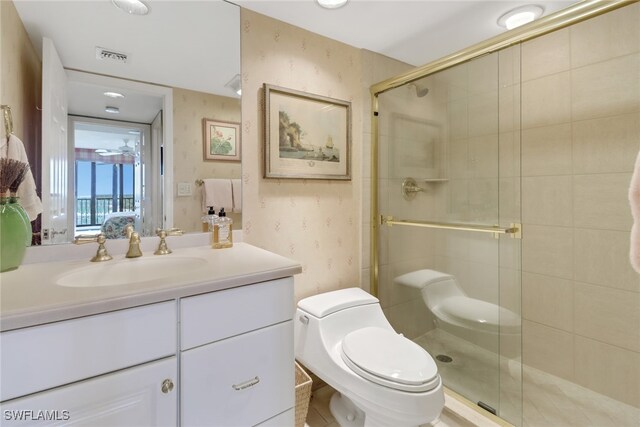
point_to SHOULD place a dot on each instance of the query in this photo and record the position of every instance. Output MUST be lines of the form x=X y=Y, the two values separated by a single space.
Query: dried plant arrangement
x=12 y=173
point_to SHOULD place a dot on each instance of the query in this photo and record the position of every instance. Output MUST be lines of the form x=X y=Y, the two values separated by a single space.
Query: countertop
x=29 y=296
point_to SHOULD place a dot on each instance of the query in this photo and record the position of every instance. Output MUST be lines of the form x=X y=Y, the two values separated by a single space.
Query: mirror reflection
x=123 y=104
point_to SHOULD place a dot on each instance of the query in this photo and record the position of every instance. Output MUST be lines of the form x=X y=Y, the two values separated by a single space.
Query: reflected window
x=101 y=190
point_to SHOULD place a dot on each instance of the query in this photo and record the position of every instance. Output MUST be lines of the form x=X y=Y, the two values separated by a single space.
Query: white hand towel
x=28 y=198
x=634 y=201
x=217 y=193
x=236 y=186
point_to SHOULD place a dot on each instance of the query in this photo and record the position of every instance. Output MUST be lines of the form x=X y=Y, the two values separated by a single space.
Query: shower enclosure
x=449 y=180
x=486 y=247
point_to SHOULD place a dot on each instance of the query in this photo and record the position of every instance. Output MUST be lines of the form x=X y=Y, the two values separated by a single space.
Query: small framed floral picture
x=221 y=140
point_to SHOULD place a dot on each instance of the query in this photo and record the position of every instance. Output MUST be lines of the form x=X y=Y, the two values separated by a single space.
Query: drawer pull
x=246 y=384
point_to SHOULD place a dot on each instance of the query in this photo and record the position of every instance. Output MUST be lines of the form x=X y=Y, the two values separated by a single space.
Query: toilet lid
x=389 y=359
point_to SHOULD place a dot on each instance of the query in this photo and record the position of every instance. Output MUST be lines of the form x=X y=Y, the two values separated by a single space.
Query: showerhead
x=420 y=92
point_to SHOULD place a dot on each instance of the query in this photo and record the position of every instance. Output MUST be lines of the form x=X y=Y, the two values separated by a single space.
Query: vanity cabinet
x=101 y=370
x=50 y=355
x=140 y=396
x=225 y=358
x=237 y=356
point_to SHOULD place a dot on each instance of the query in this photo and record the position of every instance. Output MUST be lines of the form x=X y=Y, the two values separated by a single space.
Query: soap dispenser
x=222 y=231
x=208 y=220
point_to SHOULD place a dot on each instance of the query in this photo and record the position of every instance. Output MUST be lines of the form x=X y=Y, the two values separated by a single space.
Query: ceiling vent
x=111 y=55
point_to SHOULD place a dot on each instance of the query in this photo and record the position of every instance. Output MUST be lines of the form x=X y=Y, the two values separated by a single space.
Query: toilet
x=381 y=378
x=477 y=321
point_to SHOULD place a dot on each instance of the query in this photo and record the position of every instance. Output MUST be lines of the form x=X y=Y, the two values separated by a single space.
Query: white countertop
x=30 y=296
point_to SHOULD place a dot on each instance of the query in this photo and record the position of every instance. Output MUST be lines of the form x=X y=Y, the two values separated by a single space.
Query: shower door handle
x=514 y=230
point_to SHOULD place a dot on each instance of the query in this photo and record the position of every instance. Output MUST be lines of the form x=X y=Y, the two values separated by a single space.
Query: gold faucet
x=134 y=242
x=163 y=249
x=102 y=254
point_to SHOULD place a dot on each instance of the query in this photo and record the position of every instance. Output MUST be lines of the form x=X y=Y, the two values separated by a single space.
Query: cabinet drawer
x=240 y=381
x=131 y=397
x=47 y=356
x=285 y=419
x=218 y=315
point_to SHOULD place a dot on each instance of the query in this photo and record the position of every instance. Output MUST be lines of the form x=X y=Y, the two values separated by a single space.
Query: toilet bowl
x=381 y=377
x=478 y=321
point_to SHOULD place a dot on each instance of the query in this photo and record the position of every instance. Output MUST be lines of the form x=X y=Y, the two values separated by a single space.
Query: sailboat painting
x=306 y=136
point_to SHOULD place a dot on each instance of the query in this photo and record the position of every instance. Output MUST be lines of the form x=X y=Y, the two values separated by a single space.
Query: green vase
x=14 y=200
x=14 y=232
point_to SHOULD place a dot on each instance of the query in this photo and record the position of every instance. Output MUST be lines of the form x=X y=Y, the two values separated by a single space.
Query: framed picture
x=306 y=136
x=221 y=140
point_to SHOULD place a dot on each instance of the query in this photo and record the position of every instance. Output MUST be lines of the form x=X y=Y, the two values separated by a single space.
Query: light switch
x=184 y=189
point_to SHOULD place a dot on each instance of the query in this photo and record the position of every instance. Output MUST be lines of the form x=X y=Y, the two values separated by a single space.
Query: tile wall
x=580 y=138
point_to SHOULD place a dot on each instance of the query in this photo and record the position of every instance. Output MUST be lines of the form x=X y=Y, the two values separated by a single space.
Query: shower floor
x=549 y=400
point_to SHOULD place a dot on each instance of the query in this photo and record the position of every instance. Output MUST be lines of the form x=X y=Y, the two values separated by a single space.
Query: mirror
x=179 y=64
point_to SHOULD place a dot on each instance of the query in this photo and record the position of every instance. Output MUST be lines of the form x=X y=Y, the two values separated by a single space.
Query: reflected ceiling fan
x=123 y=150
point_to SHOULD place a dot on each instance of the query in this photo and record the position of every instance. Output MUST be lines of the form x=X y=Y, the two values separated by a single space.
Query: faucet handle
x=101 y=254
x=170 y=231
x=163 y=249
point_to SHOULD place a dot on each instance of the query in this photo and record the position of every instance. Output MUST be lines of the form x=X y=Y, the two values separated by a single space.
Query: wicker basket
x=303 y=395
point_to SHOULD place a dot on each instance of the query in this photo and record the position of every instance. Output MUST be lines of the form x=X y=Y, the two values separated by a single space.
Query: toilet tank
x=435 y=286
x=322 y=305
x=322 y=321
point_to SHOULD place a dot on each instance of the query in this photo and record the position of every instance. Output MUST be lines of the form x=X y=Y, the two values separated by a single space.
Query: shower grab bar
x=514 y=230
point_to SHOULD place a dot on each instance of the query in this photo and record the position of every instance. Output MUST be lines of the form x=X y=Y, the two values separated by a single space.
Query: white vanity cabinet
x=237 y=365
x=107 y=369
x=136 y=397
x=210 y=347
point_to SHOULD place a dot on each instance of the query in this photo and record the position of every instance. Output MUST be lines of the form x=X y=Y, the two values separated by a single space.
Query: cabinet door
x=131 y=397
x=239 y=381
x=47 y=356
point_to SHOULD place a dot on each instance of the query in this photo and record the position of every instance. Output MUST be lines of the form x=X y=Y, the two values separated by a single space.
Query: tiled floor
x=548 y=400
x=320 y=416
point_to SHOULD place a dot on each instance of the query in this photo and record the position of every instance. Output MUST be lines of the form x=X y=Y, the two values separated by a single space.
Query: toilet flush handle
x=303 y=319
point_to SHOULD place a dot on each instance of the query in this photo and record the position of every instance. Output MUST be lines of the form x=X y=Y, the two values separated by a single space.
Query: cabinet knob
x=167 y=386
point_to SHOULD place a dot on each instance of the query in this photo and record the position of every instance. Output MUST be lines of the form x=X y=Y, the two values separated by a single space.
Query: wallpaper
x=189 y=108
x=316 y=222
x=20 y=82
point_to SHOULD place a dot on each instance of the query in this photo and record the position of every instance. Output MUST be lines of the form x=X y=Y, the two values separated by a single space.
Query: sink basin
x=129 y=271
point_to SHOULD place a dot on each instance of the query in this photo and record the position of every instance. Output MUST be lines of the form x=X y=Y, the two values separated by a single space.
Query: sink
x=129 y=271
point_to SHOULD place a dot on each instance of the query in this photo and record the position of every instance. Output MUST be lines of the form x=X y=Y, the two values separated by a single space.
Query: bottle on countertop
x=222 y=231
x=208 y=220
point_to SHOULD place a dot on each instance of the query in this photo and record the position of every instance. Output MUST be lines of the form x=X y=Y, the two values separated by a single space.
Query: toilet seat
x=389 y=359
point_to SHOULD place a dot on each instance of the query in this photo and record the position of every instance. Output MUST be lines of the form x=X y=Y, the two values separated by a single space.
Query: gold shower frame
x=571 y=15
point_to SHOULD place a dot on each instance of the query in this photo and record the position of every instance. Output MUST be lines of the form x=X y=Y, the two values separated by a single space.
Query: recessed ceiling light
x=113 y=95
x=112 y=110
x=332 y=4
x=520 y=16
x=132 y=7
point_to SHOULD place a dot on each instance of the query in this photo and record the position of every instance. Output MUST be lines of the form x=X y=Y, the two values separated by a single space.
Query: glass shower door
x=448 y=191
